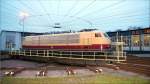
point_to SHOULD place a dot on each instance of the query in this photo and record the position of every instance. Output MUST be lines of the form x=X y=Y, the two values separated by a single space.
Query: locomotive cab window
x=106 y=35
x=97 y=35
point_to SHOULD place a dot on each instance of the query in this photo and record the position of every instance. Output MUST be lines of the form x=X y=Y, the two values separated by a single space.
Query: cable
x=73 y=6
x=85 y=8
x=126 y=13
x=49 y=17
x=111 y=16
x=109 y=6
x=25 y=5
x=58 y=7
x=104 y=8
x=11 y=7
x=123 y=20
x=85 y=20
x=120 y=16
x=126 y=16
x=8 y=13
x=90 y=23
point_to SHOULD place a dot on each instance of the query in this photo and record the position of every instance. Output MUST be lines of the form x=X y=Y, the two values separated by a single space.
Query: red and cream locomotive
x=69 y=41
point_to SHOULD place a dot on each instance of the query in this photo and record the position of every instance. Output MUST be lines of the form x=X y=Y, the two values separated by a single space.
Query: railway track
x=14 y=71
x=138 y=67
x=111 y=66
x=70 y=71
x=131 y=67
x=138 y=60
x=42 y=72
x=43 y=69
x=135 y=64
x=94 y=69
x=141 y=69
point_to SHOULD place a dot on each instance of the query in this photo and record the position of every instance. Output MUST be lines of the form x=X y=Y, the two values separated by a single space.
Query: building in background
x=135 y=41
x=12 y=40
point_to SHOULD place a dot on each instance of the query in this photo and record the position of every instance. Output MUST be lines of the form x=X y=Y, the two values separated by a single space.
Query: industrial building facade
x=10 y=40
x=137 y=40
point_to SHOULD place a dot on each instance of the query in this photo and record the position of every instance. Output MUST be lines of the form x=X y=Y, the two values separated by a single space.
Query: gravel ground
x=19 y=63
x=81 y=72
x=56 y=70
x=27 y=73
x=57 y=73
x=2 y=72
x=121 y=73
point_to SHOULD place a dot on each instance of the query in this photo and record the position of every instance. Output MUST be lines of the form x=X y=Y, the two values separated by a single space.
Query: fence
x=85 y=55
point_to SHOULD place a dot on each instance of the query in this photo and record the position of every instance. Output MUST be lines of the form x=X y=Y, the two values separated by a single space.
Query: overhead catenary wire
x=120 y=17
x=104 y=8
x=58 y=8
x=48 y=14
x=8 y=9
x=28 y=8
x=10 y=14
x=99 y=25
x=71 y=9
x=118 y=26
x=81 y=19
x=121 y=20
x=124 y=20
x=136 y=12
x=115 y=15
x=120 y=14
x=85 y=8
x=100 y=18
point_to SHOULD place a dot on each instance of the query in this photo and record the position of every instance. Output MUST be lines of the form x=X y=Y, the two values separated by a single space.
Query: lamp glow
x=23 y=15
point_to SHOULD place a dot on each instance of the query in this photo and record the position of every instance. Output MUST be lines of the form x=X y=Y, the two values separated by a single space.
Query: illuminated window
x=135 y=40
x=146 y=31
x=147 y=40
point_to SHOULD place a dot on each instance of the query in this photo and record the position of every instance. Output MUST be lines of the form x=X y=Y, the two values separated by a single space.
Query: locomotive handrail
x=72 y=55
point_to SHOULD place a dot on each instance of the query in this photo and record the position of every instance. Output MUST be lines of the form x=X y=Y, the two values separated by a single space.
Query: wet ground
x=18 y=63
x=57 y=70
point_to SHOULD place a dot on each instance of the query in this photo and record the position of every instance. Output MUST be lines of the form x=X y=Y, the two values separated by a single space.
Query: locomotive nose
x=108 y=41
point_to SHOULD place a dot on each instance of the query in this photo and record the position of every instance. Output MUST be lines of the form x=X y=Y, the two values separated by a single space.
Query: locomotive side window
x=97 y=35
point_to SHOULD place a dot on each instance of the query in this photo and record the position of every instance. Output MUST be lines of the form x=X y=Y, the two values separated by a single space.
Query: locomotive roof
x=67 y=33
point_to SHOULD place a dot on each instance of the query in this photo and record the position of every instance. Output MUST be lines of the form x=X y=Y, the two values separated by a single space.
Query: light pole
x=23 y=16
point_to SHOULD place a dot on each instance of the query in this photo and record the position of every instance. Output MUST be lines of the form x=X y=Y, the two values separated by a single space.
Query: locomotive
x=80 y=48
x=85 y=41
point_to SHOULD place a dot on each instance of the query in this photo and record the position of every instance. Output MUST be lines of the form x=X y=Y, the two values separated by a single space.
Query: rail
x=85 y=55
